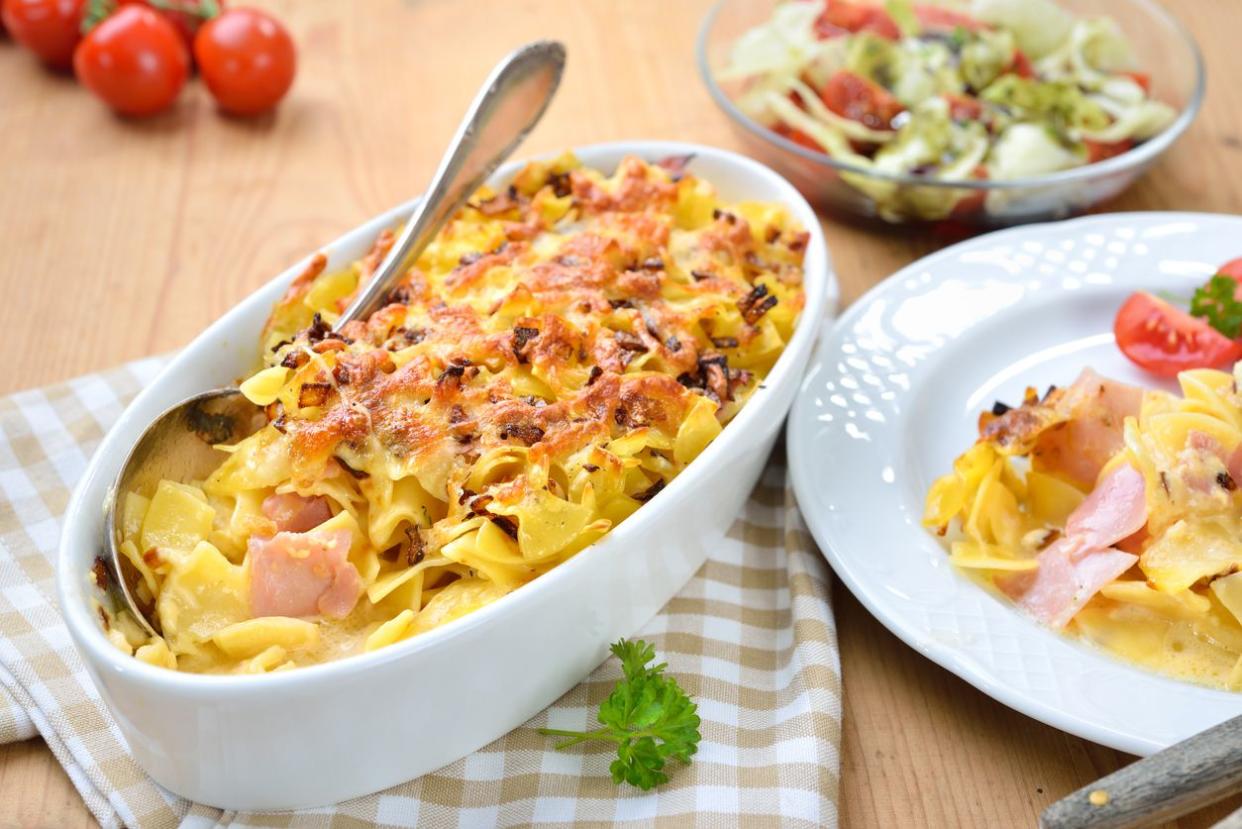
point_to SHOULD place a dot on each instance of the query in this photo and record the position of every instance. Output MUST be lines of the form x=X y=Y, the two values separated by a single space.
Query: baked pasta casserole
x=561 y=351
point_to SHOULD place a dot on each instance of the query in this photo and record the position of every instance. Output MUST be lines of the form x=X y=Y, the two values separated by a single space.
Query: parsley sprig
x=1215 y=303
x=648 y=716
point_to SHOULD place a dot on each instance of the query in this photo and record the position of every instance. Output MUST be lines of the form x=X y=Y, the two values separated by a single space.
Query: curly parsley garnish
x=1215 y=303
x=648 y=716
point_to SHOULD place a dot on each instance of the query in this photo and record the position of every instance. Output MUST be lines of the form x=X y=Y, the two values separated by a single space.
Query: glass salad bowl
x=1159 y=44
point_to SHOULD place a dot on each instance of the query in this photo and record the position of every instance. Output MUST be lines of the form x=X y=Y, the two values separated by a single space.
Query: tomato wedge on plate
x=1165 y=340
x=1232 y=269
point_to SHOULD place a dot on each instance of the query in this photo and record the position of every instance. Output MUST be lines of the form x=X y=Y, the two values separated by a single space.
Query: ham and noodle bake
x=556 y=356
x=1113 y=513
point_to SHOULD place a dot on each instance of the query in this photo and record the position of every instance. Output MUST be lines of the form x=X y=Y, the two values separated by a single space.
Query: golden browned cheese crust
x=598 y=302
x=559 y=353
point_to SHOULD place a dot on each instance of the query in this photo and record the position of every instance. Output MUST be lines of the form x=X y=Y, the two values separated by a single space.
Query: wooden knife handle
x=1232 y=821
x=1194 y=773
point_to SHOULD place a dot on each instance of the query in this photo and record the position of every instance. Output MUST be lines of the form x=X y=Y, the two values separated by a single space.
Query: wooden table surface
x=121 y=239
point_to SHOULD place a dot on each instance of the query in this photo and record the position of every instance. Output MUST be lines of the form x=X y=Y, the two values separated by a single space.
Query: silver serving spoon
x=178 y=445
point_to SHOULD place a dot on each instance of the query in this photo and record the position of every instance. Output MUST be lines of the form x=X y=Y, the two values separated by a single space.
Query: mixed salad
x=980 y=89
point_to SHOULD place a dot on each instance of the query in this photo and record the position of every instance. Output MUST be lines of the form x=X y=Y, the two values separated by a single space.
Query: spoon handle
x=505 y=110
x=1193 y=773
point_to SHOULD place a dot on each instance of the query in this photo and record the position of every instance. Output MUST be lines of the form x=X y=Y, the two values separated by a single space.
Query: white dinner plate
x=892 y=397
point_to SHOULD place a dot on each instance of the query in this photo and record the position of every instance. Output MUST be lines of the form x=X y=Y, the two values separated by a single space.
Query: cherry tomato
x=247 y=60
x=841 y=17
x=1100 y=150
x=859 y=99
x=939 y=18
x=187 y=19
x=134 y=60
x=49 y=28
x=1165 y=340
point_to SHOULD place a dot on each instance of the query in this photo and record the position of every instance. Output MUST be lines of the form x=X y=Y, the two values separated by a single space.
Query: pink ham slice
x=1074 y=568
x=296 y=513
x=1095 y=409
x=1065 y=582
x=1115 y=509
x=303 y=574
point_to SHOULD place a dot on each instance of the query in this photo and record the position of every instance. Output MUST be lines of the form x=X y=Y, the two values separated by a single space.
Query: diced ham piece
x=1072 y=432
x=1077 y=565
x=1203 y=442
x=1115 y=509
x=296 y=513
x=303 y=574
x=1063 y=584
x=1095 y=409
x=1198 y=471
x=1234 y=464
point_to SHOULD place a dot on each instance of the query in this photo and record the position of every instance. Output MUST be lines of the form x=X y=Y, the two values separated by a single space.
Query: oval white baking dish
x=329 y=732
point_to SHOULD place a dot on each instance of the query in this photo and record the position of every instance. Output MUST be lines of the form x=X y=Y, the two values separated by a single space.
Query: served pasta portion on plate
x=561 y=351
x=1113 y=513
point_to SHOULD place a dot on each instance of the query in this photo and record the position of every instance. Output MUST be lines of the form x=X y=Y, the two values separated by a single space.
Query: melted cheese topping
x=555 y=357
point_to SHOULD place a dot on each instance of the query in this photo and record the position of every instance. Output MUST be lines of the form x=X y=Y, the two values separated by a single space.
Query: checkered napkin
x=751 y=638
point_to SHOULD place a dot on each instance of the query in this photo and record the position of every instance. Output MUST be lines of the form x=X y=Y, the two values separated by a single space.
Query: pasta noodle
x=1143 y=557
x=560 y=352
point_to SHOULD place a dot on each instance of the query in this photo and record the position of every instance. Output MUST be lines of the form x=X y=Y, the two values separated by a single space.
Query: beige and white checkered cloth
x=751 y=638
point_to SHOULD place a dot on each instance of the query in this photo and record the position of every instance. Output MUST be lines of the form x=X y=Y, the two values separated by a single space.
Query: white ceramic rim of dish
x=821 y=296
x=879 y=602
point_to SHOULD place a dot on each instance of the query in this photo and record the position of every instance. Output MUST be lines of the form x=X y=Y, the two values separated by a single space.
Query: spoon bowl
x=179 y=445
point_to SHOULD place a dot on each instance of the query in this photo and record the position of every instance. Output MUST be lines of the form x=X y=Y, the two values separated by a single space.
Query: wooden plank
x=924 y=748
x=121 y=239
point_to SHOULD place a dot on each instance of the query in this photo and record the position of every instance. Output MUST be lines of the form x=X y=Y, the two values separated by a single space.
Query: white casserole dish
x=329 y=732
